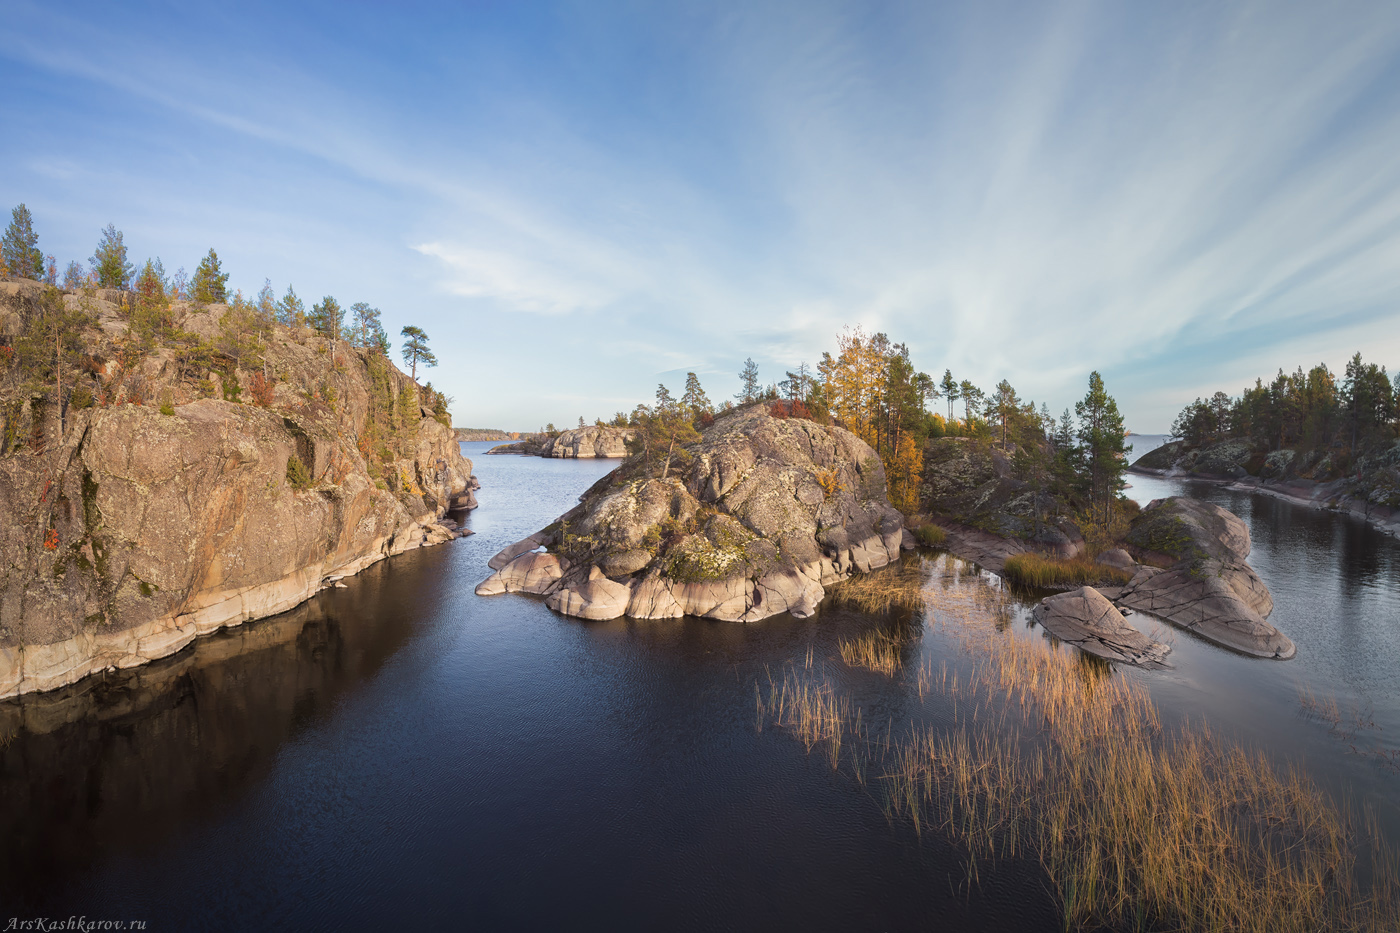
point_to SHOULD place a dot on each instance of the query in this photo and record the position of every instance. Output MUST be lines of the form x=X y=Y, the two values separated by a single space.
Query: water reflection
x=124 y=760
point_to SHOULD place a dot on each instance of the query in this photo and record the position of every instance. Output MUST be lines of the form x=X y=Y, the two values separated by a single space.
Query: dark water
x=403 y=754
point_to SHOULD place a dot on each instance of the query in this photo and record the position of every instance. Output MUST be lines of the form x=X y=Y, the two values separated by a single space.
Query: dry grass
x=898 y=586
x=876 y=651
x=1032 y=569
x=1057 y=758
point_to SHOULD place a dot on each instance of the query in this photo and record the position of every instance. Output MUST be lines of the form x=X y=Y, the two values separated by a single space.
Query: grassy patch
x=1031 y=569
x=931 y=535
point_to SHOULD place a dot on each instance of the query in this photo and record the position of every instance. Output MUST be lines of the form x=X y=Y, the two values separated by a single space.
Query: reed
x=1038 y=570
x=896 y=587
x=1053 y=757
x=877 y=651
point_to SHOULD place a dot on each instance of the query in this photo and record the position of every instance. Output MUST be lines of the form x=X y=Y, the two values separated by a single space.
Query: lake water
x=401 y=753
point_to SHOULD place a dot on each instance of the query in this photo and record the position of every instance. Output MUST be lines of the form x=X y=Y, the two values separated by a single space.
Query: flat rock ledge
x=1086 y=619
x=767 y=514
x=1207 y=587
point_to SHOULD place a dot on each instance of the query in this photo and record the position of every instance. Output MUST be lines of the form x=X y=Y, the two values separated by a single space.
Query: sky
x=578 y=201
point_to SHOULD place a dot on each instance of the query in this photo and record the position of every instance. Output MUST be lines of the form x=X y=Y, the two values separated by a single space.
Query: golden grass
x=898 y=586
x=1054 y=757
x=876 y=651
x=1031 y=569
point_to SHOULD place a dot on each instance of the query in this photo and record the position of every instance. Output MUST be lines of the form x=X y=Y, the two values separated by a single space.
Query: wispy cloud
x=1176 y=197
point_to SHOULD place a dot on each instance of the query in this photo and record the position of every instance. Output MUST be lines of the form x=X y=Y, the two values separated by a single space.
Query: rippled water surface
x=402 y=753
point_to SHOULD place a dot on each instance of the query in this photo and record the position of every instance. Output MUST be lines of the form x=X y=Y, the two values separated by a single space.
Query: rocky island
x=586 y=443
x=766 y=514
x=180 y=467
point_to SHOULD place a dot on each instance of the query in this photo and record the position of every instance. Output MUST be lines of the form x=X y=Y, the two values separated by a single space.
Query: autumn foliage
x=261 y=389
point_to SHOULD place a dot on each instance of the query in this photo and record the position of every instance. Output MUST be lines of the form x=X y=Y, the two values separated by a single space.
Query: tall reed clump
x=1052 y=756
x=877 y=651
x=898 y=586
x=1032 y=569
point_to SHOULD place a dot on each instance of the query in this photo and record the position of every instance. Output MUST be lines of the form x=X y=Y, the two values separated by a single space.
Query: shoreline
x=1335 y=501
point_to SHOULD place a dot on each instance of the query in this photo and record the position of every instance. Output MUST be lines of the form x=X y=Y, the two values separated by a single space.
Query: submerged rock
x=1086 y=619
x=767 y=513
x=1202 y=581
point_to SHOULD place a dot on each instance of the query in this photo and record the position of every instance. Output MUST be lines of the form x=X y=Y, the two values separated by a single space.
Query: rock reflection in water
x=117 y=762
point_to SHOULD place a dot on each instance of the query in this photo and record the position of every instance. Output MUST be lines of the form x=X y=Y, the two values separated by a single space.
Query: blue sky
x=577 y=201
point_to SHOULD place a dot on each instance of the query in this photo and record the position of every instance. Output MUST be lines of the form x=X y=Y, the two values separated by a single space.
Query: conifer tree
x=1104 y=447
x=951 y=391
x=109 y=263
x=20 y=246
x=748 y=382
x=694 y=400
x=210 y=282
x=290 y=311
x=366 y=330
x=415 y=349
x=327 y=318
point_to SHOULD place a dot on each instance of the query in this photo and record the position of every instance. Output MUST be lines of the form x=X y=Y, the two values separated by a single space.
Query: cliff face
x=127 y=529
x=768 y=512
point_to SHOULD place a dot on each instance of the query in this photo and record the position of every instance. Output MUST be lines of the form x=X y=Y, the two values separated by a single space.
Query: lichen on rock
x=769 y=512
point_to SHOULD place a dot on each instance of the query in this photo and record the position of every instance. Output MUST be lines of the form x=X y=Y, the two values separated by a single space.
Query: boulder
x=532 y=572
x=1201 y=580
x=1116 y=558
x=1086 y=619
x=756 y=520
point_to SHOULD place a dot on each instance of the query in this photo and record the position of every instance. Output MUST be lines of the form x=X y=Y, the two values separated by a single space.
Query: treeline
x=58 y=358
x=153 y=292
x=1310 y=410
x=871 y=387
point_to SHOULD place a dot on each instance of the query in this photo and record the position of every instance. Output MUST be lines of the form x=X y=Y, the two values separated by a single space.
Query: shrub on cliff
x=298 y=476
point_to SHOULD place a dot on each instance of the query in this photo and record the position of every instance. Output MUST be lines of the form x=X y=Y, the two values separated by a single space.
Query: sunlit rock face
x=128 y=529
x=764 y=513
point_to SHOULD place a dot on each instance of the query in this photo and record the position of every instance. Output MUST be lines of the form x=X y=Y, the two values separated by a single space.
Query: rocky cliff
x=190 y=476
x=767 y=513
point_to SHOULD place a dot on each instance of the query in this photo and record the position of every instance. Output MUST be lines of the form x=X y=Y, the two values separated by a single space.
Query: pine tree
x=748 y=382
x=20 y=246
x=290 y=311
x=1004 y=403
x=1104 y=448
x=51 y=271
x=415 y=349
x=694 y=400
x=210 y=282
x=366 y=331
x=327 y=318
x=951 y=391
x=109 y=263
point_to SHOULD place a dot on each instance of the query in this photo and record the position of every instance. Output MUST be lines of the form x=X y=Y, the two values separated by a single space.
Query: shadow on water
x=125 y=761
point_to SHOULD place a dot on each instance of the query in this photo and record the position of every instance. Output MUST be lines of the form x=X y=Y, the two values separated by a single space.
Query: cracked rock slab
x=1086 y=619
